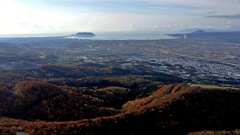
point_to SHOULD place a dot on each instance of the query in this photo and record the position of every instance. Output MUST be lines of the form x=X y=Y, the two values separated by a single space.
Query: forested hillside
x=87 y=100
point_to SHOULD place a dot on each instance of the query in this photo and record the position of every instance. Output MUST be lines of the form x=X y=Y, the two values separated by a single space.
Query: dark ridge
x=52 y=71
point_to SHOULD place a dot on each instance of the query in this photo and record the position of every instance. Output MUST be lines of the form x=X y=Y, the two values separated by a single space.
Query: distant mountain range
x=216 y=36
x=84 y=34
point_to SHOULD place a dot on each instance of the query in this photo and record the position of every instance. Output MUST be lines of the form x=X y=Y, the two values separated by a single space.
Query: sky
x=163 y=16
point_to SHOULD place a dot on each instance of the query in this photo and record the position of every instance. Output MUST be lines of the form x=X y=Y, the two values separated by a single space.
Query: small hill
x=196 y=29
x=198 y=32
x=84 y=34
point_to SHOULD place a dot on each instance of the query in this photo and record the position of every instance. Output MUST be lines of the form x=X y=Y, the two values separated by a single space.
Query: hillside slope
x=173 y=109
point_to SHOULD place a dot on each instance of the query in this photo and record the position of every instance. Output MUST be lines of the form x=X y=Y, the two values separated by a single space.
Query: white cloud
x=50 y=27
x=22 y=16
x=24 y=24
x=37 y=26
x=131 y=26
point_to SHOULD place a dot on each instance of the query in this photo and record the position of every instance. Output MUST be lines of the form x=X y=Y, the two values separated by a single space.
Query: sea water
x=125 y=36
x=101 y=36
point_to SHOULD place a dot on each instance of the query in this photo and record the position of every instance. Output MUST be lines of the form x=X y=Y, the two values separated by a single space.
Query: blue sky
x=164 y=16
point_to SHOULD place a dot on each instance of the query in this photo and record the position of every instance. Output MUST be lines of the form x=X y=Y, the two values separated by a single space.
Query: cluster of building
x=186 y=67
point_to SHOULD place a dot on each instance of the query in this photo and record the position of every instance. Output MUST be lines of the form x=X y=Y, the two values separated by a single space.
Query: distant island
x=84 y=34
x=214 y=36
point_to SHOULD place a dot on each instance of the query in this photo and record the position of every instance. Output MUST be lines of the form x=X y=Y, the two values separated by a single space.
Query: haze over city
x=165 y=16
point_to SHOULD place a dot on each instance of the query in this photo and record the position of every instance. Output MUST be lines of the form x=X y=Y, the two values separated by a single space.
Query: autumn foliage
x=52 y=101
x=173 y=109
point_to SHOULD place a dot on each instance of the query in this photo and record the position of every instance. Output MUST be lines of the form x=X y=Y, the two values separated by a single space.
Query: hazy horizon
x=99 y=35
